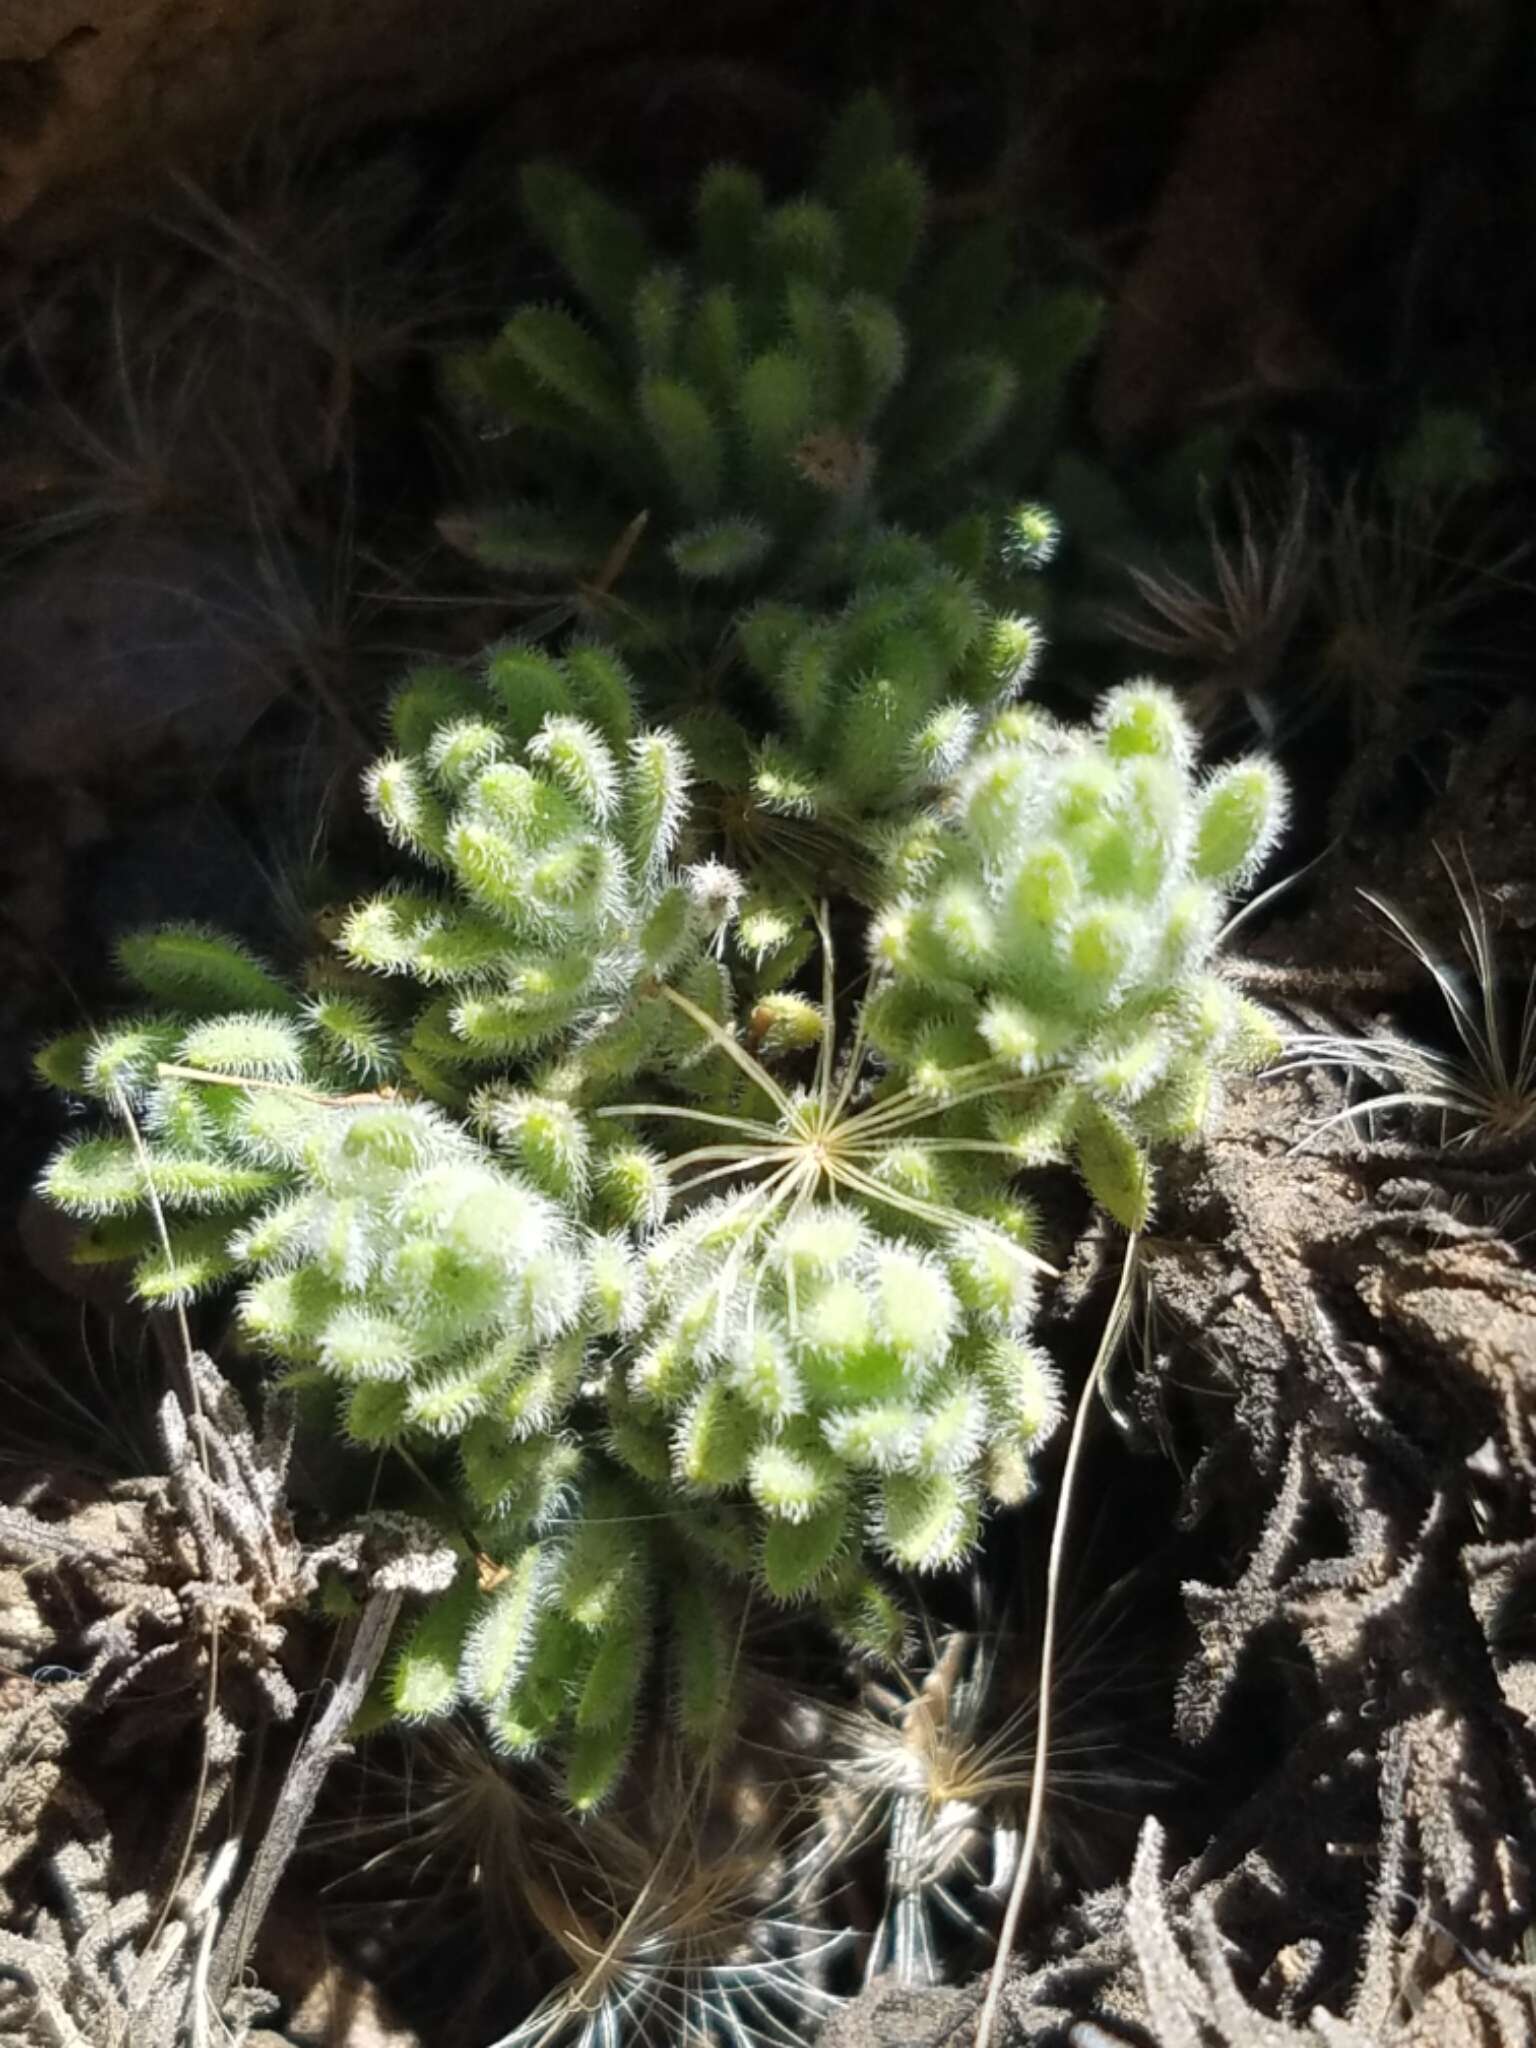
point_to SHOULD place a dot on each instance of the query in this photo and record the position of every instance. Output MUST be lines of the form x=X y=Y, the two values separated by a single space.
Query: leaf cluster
x=761 y=467
x=797 y=373
x=1058 y=922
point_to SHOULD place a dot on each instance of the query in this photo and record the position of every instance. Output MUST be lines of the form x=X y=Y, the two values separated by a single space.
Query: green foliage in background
x=770 y=467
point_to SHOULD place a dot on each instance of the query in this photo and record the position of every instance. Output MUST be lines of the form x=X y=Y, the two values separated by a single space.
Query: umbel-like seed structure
x=573 y=1187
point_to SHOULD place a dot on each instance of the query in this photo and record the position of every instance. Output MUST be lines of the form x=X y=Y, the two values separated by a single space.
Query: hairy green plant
x=720 y=422
x=689 y=1298
x=672 y=1277
x=871 y=706
x=755 y=471
x=1046 y=950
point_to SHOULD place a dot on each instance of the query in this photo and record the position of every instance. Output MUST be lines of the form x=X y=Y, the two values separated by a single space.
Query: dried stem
x=1114 y=1327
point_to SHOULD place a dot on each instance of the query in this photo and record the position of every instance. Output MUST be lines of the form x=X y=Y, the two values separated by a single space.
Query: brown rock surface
x=1301 y=133
x=95 y=93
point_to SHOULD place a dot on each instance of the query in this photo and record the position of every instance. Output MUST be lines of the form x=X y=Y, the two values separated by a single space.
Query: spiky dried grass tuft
x=684 y=1910
x=1483 y=1094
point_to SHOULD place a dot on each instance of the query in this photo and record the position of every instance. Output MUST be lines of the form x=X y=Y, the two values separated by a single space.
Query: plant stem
x=169 y=1072
x=301 y=1788
x=1114 y=1327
